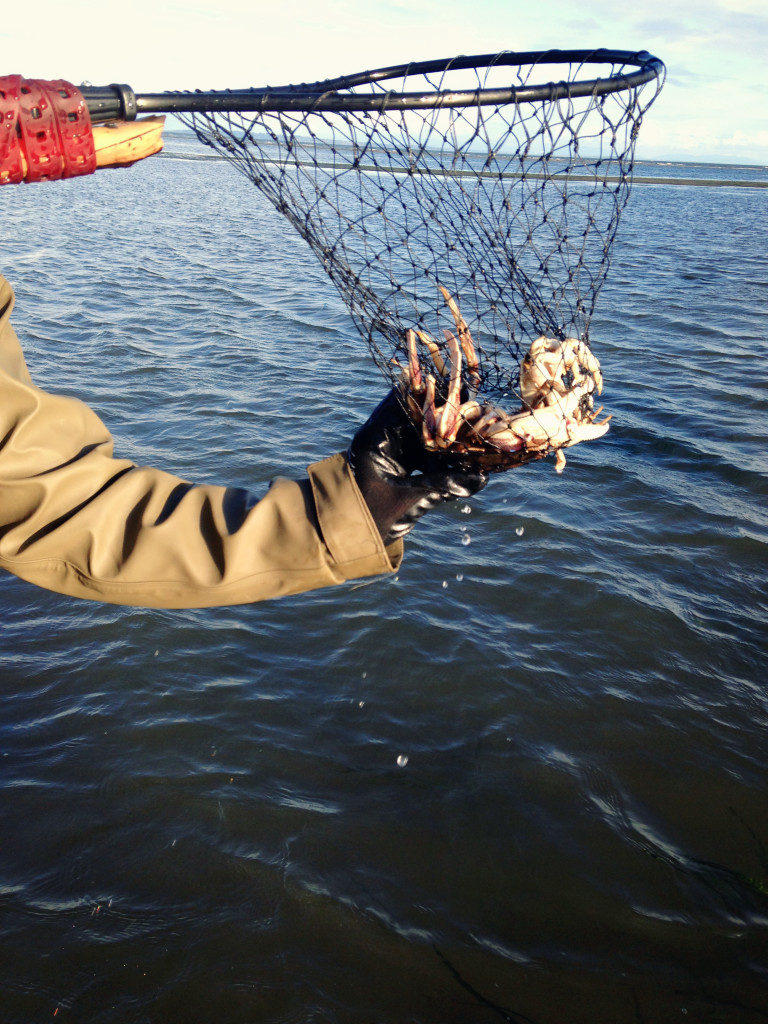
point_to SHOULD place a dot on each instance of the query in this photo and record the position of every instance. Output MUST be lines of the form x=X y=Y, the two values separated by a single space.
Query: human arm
x=77 y=520
x=46 y=133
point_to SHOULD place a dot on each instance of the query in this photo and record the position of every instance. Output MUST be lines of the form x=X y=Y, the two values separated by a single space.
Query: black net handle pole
x=120 y=102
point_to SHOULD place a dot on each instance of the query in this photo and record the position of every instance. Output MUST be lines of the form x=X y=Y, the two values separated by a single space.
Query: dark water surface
x=208 y=816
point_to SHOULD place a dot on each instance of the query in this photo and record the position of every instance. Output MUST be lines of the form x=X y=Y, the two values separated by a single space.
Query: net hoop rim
x=333 y=95
x=649 y=67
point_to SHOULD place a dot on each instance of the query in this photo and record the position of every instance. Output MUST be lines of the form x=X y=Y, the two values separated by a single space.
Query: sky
x=714 y=106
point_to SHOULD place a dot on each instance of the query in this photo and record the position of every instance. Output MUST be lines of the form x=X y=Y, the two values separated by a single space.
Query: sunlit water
x=525 y=780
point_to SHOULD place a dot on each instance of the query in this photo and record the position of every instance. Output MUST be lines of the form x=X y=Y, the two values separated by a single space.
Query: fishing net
x=466 y=216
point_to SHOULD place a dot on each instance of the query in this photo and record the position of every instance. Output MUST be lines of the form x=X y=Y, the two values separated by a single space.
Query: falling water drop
x=466 y=539
x=402 y=761
x=520 y=530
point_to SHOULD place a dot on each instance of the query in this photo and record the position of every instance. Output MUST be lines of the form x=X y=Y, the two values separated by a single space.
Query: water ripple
x=524 y=777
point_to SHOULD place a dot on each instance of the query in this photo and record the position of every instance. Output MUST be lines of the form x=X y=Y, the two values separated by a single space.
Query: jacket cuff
x=345 y=521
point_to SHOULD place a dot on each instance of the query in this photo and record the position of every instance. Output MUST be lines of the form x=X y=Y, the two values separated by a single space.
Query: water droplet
x=520 y=530
x=445 y=584
x=466 y=539
x=361 y=704
x=466 y=509
x=402 y=761
x=459 y=576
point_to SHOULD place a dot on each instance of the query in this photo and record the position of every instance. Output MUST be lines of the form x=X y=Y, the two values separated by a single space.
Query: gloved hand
x=399 y=479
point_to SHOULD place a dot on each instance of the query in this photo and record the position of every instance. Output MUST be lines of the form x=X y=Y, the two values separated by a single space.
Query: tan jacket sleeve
x=77 y=520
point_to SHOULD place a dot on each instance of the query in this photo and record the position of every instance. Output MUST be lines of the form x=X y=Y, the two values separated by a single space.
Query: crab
x=557 y=382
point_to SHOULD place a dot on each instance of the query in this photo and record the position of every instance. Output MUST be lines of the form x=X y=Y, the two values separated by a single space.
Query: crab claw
x=586 y=431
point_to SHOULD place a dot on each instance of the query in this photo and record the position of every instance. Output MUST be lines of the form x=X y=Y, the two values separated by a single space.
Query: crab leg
x=489 y=417
x=588 y=361
x=467 y=344
x=448 y=416
x=579 y=352
x=429 y=413
x=507 y=440
x=414 y=369
x=534 y=381
x=470 y=412
x=434 y=351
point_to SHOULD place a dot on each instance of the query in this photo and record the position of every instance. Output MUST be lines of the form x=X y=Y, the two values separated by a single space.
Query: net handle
x=120 y=102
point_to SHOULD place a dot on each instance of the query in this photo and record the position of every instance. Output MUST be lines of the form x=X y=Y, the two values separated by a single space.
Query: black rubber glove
x=399 y=479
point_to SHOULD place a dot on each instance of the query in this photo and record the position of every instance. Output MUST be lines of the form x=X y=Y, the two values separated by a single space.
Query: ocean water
x=524 y=780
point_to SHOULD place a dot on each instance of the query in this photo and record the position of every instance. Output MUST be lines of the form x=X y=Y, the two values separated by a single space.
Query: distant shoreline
x=664 y=162
x=707 y=182
x=187 y=134
x=638 y=179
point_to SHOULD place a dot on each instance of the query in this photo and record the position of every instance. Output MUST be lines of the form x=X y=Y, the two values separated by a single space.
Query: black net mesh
x=512 y=208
